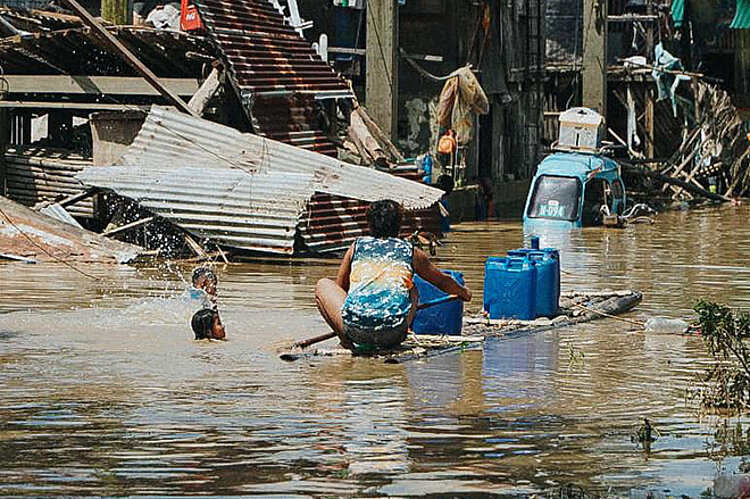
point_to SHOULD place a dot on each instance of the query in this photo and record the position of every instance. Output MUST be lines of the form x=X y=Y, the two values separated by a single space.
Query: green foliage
x=726 y=384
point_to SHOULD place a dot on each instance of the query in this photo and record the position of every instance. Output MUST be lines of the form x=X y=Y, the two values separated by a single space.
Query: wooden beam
x=96 y=85
x=77 y=197
x=382 y=64
x=594 y=72
x=73 y=106
x=200 y=99
x=131 y=225
x=128 y=56
x=649 y=94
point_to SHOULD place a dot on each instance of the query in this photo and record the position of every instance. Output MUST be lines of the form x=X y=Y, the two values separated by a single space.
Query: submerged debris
x=28 y=235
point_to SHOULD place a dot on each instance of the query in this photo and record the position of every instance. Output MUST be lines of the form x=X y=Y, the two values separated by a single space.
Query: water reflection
x=105 y=393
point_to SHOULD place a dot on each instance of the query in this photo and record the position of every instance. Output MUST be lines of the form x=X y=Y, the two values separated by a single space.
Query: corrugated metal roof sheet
x=246 y=191
x=253 y=212
x=276 y=68
x=36 y=175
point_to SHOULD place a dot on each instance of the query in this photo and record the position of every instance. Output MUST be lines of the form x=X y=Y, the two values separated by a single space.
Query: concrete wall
x=112 y=133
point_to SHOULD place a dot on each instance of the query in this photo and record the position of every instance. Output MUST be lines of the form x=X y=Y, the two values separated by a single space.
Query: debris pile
x=244 y=191
x=31 y=237
x=713 y=159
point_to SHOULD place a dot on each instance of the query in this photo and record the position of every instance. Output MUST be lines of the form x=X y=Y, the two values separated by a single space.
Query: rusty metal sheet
x=36 y=175
x=26 y=233
x=276 y=68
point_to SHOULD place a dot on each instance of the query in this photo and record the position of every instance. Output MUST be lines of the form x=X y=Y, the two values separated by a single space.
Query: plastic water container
x=446 y=318
x=547 y=262
x=510 y=288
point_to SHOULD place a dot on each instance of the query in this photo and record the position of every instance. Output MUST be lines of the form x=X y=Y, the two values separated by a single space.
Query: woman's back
x=379 y=283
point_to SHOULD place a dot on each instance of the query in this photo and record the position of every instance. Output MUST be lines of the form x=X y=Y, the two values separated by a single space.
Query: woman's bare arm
x=427 y=271
x=346 y=267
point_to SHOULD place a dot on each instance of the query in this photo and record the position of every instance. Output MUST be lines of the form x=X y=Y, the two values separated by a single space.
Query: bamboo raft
x=575 y=308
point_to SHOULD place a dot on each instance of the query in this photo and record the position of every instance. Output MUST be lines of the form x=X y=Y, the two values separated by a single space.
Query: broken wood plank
x=194 y=246
x=382 y=138
x=77 y=197
x=700 y=191
x=132 y=225
x=207 y=90
x=128 y=56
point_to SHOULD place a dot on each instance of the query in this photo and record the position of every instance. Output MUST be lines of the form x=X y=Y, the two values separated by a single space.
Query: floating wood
x=598 y=305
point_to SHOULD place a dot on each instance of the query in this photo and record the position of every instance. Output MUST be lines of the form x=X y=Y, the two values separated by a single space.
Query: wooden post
x=595 y=55
x=649 y=97
x=117 y=11
x=4 y=141
x=382 y=64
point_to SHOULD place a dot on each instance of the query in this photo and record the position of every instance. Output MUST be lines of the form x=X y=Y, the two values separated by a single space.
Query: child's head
x=205 y=279
x=445 y=183
x=206 y=324
x=384 y=218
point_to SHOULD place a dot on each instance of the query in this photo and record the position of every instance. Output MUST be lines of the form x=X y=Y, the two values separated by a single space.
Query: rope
x=58 y=259
x=629 y=321
x=419 y=69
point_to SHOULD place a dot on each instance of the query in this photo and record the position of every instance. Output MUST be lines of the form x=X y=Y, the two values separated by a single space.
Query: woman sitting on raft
x=373 y=300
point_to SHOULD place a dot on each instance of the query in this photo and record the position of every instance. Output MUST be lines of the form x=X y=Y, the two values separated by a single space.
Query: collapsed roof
x=239 y=190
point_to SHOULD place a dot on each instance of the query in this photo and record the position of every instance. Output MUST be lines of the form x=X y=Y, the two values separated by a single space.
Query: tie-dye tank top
x=380 y=282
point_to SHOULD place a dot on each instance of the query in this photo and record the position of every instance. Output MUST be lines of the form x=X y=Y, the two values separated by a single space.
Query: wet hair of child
x=384 y=218
x=203 y=323
x=203 y=272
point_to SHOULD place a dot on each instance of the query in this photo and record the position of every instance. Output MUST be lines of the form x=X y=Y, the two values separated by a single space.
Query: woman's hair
x=384 y=218
x=203 y=323
x=204 y=272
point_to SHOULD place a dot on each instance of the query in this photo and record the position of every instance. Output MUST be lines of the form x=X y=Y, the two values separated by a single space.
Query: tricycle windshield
x=555 y=197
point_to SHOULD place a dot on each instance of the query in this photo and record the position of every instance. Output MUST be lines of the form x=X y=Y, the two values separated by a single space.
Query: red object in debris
x=189 y=18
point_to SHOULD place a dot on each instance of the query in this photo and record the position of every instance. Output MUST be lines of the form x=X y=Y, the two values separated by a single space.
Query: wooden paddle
x=327 y=336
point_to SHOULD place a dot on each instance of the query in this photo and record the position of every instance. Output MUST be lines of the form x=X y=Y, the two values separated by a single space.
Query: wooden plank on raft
x=128 y=56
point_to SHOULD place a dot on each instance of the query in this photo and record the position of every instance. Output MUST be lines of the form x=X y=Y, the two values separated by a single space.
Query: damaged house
x=399 y=58
x=71 y=101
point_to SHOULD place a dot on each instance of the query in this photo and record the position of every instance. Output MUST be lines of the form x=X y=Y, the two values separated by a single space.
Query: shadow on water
x=105 y=393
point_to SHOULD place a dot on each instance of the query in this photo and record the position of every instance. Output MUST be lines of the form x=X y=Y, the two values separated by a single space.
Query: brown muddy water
x=103 y=391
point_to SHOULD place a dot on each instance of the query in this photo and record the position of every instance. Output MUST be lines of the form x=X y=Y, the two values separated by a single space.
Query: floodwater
x=103 y=391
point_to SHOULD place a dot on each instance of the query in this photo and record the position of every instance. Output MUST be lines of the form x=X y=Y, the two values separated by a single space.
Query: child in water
x=204 y=286
x=207 y=325
x=206 y=322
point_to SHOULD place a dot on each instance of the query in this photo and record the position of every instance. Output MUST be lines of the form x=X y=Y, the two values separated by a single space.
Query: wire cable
x=54 y=257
